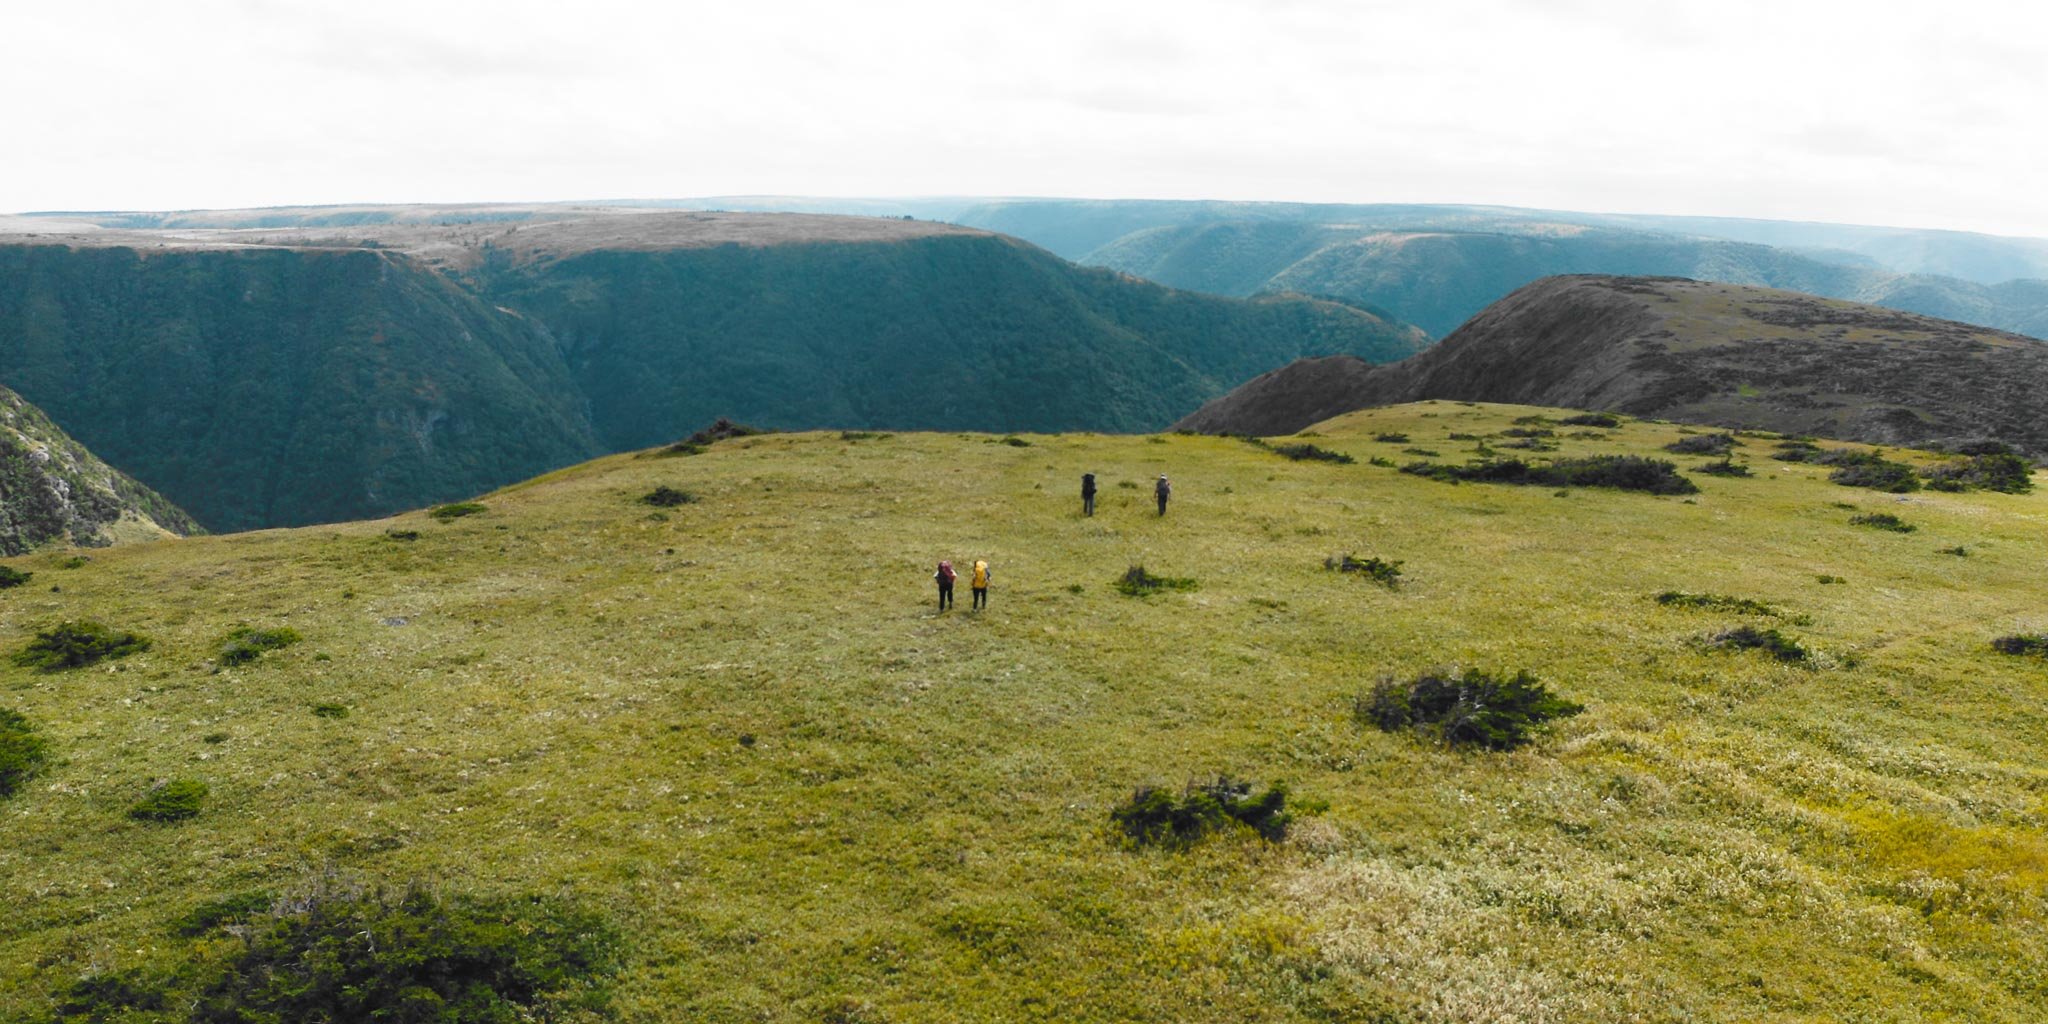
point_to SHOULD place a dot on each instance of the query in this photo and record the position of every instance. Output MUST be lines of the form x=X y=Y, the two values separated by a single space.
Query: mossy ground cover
x=743 y=734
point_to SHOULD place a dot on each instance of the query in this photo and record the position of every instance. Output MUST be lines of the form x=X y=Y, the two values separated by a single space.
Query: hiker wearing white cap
x=1162 y=490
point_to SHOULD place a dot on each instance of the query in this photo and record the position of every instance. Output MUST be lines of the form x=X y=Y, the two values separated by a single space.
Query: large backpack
x=981 y=574
x=946 y=572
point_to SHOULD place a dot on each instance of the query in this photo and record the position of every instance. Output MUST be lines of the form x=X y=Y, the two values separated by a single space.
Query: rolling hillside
x=733 y=736
x=343 y=364
x=1695 y=352
x=55 y=492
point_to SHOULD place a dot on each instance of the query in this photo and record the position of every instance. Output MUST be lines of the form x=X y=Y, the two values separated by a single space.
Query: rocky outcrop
x=53 y=491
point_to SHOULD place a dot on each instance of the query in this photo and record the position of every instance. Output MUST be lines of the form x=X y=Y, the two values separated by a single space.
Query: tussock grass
x=920 y=828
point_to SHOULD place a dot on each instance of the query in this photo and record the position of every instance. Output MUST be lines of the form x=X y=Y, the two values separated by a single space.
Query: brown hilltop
x=1670 y=348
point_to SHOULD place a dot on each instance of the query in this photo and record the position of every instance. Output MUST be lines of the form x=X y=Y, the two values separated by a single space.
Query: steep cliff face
x=267 y=387
x=1690 y=351
x=54 y=491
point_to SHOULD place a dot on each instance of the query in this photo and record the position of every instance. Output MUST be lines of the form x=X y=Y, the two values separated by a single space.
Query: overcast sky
x=1917 y=114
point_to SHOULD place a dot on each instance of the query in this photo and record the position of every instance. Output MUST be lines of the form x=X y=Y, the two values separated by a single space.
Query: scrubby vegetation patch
x=175 y=800
x=76 y=645
x=1465 y=708
x=1703 y=444
x=1715 y=603
x=1882 y=521
x=1156 y=816
x=1378 y=570
x=1871 y=470
x=667 y=497
x=1726 y=467
x=12 y=577
x=22 y=752
x=456 y=510
x=1136 y=582
x=247 y=643
x=1592 y=419
x=1989 y=466
x=1620 y=472
x=1769 y=641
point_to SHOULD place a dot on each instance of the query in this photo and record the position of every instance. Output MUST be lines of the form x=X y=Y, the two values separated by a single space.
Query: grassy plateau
x=737 y=728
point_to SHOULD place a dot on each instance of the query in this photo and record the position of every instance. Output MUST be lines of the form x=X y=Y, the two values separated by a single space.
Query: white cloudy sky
x=1883 y=112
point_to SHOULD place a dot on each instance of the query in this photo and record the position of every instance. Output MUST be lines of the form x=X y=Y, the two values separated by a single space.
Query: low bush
x=863 y=435
x=1391 y=438
x=1620 y=472
x=1136 y=582
x=1528 y=432
x=76 y=645
x=330 y=710
x=1715 y=603
x=404 y=535
x=1468 y=708
x=1871 y=470
x=667 y=497
x=1427 y=453
x=2003 y=471
x=1725 y=467
x=1750 y=638
x=1703 y=444
x=1826 y=580
x=1311 y=453
x=411 y=956
x=1530 y=444
x=1592 y=419
x=1016 y=442
x=456 y=510
x=12 y=577
x=22 y=752
x=1959 y=551
x=1155 y=816
x=176 y=800
x=1463 y=437
x=246 y=644
x=1797 y=451
x=1883 y=521
x=2035 y=644
x=1377 y=461
x=1377 y=570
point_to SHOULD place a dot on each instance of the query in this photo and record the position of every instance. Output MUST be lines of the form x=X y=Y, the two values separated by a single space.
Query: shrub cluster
x=1391 y=438
x=22 y=752
x=667 y=497
x=1591 y=419
x=404 y=535
x=12 y=577
x=1527 y=432
x=1797 y=450
x=1883 y=521
x=1155 y=816
x=1996 y=470
x=76 y=645
x=1375 y=569
x=1530 y=444
x=1621 y=472
x=408 y=956
x=2035 y=644
x=1703 y=444
x=1136 y=582
x=1725 y=467
x=456 y=510
x=1750 y=638
x=1468 y=708
x=1302 y=452
x=246 y=643
x=1869 y=469
x=1715 y=603
x=175 y=800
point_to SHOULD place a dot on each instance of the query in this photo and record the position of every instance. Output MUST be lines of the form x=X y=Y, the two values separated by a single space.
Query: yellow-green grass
x=918 y=829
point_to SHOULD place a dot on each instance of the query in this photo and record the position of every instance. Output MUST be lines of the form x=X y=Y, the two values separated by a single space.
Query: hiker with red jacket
x=945 y=576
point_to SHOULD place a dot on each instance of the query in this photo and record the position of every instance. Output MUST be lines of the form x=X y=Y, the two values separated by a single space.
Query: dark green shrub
x=1530 y=444
x=1463 y=437
x=456 y=510
x=1715 y=603
x=1883 y=521
x=12 y=577
x=1468 y=708
x=1750 y=638
x=1375 y=569
x=22 y=752
x=1378 y=461
x=1797 y=451
x=328 y=710
x=1154 y=816
x=1621 y=472
x=217 y=913
x=1826 y=580
x=1391 y=438
x=1725 y=467
x=176 y=800
x=2035 y=644
x=1309 y=452
x=1427 y=453
x=76 y=645
x=404 y=535
x=1136 y=582
x=1527 y=432
x=1868 y=469
x=863 y=435
x=1703 y=444
x=1592 y=419
x=1992 y=471
x=407 y=958
x=667 y=497
x=1959 y=551
x=75 y=562
x=1016 y=442
x=245 y=644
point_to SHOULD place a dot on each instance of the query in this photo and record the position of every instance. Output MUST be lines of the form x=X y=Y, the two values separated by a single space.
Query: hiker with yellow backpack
x=979 y=583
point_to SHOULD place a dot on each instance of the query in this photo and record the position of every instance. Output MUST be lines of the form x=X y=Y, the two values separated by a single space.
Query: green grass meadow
x=740 y=728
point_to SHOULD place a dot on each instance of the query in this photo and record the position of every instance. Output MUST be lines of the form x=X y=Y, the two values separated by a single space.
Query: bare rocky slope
x=1684 y=350
x=54 y=491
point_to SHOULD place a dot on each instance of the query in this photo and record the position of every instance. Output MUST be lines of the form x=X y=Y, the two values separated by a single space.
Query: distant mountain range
x=344 y=363
x=1690 y=351
x=54 y=491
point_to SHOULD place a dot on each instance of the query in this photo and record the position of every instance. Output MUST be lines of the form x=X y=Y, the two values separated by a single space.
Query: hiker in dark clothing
x=1087 y=494
x=945 y=576
x=1163 y=491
